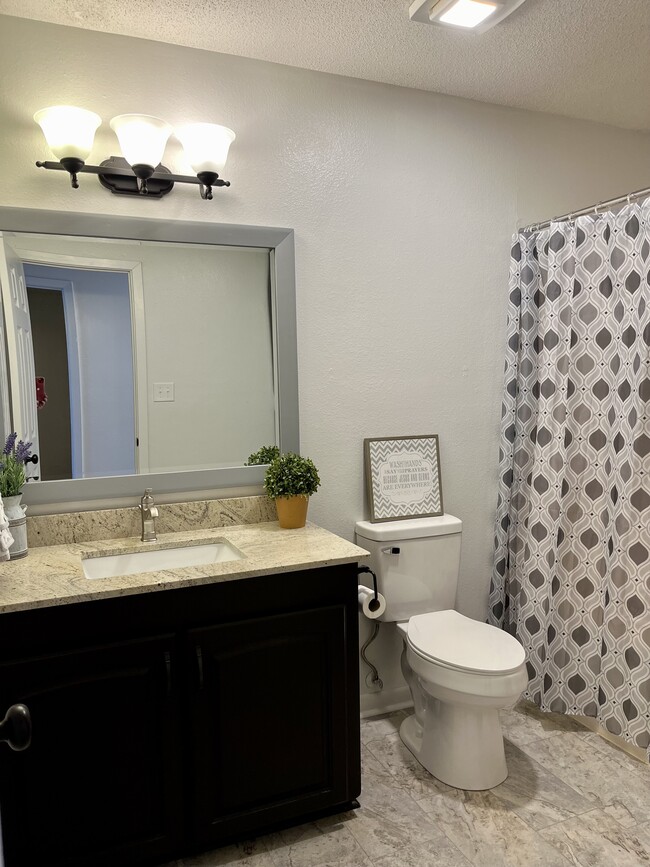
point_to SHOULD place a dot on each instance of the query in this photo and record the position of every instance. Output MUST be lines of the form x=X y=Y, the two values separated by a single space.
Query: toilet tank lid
x=410 y=528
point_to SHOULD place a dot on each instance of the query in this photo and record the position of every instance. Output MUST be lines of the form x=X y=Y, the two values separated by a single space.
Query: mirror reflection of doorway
x=82 y=337
x=51 y=363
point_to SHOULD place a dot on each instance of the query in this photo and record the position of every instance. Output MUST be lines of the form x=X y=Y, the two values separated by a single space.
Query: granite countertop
x=52 y=575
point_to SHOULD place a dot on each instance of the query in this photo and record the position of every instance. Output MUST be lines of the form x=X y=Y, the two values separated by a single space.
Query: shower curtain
x=571 y=575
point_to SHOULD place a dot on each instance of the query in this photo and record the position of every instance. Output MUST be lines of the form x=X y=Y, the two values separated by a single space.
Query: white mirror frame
x=42 y=495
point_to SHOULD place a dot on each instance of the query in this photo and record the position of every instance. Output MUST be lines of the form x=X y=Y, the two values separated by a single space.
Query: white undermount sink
x=155 y=559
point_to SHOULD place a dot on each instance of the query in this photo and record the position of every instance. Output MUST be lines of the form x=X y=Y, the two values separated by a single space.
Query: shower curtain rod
x=592 y=209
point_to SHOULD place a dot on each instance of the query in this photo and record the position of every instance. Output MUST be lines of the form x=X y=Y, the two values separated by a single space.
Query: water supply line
x=372 y=678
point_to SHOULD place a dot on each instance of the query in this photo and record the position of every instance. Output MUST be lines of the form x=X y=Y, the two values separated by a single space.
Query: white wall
x=403 y=203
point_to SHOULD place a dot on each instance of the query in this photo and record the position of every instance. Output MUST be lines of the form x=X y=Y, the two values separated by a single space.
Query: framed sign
x=403 y=477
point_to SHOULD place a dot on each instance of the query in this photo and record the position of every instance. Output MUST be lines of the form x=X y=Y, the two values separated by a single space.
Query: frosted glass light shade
x=206 y=145
x=69 y=131
x=141 y=137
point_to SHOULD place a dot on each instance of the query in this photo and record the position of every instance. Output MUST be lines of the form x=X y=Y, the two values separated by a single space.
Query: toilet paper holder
x=374 y=603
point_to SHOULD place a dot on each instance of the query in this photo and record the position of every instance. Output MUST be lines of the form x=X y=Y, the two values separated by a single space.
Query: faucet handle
x=148 y=511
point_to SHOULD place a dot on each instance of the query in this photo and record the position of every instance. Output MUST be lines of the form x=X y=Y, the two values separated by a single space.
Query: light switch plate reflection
x=163 y=392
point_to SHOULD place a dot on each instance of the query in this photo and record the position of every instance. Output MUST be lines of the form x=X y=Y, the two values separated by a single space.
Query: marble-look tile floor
x=570 y=799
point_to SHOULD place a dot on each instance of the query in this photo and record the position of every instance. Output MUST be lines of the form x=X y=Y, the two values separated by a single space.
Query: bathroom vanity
x=180 y=706
x=175 y=710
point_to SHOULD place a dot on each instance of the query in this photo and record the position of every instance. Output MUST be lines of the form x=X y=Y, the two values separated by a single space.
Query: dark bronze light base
x=134 y=184
x=122 y=179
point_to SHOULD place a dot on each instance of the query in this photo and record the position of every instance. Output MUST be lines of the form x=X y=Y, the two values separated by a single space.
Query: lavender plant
x=12 y=465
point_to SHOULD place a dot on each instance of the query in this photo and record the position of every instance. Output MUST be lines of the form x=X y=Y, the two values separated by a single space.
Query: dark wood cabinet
x=276 y=686
x=99 y=782
x=171 y=722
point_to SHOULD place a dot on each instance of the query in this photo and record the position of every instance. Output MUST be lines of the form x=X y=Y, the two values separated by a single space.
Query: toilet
x=460 y=672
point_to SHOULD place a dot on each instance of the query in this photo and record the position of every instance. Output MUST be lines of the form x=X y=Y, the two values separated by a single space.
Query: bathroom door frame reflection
x=133 y=271
x=65 y=289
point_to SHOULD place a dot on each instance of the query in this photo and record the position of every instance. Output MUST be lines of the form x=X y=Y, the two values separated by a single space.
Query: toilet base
x=460 y=745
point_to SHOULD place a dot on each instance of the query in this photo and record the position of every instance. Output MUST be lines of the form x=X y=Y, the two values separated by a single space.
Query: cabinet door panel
x=99 y=784
x=270 y=724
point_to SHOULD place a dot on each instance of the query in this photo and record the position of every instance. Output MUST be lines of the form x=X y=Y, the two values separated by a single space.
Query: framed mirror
x=145 y=353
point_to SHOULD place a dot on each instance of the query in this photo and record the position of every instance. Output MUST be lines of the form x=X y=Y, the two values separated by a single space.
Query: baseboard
x=386 y=701
x=636 y=752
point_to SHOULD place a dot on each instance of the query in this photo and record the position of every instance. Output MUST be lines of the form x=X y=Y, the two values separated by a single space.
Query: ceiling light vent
x=475 y=15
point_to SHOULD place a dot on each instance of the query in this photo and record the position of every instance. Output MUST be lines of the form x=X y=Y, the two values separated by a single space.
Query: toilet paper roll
x=369 y=606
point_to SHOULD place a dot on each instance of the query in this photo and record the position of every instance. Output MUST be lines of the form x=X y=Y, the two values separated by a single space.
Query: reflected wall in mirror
x=152 y=357
x=144 y=350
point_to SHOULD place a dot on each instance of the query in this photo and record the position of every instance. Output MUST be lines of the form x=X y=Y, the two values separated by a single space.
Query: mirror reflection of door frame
x=5 y=408
x=76 y=433
x=133 y=271
x=20 y=351
x=275 y=337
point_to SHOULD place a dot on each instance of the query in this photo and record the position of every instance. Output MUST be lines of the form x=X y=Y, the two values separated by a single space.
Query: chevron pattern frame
x=403 y=477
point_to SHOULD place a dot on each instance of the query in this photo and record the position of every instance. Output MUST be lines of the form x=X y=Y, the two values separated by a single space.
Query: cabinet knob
x=16 y=727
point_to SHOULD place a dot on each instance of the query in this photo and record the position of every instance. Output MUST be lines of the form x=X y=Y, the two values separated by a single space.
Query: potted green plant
x=264 y=455
x=291 y=480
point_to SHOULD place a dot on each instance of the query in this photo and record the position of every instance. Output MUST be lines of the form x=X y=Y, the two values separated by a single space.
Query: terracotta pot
x=292 y=511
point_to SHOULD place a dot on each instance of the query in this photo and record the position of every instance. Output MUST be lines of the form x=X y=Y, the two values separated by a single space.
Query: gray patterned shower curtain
x=571 y=573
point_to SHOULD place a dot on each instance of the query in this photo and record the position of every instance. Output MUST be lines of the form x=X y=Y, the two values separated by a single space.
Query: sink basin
x=159 y=558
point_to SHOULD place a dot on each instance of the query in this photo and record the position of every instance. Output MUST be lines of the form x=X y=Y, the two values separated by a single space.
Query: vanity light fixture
x=70 y=132
x=475 y=15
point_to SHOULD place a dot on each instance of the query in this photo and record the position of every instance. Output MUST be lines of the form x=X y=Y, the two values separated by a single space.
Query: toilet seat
x=451 y=640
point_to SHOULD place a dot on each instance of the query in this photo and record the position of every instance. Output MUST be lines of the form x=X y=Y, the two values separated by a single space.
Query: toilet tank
x=416 y=561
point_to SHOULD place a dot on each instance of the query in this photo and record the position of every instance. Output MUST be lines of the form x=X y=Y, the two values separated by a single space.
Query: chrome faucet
x=148 y=513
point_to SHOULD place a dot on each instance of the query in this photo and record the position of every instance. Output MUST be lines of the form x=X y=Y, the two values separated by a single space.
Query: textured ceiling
x=582 y=58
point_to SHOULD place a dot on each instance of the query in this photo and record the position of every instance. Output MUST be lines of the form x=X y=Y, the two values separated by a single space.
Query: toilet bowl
x=460 y=672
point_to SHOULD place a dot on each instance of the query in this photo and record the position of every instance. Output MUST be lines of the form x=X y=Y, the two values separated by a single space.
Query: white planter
x=15 y=512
